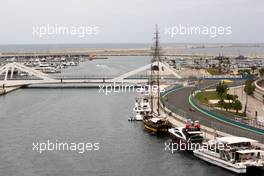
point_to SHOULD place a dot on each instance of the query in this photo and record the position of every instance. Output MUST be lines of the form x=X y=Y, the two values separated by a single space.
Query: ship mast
x=155 y=69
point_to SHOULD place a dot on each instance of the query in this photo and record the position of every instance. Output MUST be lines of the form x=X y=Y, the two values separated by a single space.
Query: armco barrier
x=224 y=119
x=171 y=89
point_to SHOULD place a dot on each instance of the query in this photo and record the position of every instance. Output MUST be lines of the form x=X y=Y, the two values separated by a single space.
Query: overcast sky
x=126 y=21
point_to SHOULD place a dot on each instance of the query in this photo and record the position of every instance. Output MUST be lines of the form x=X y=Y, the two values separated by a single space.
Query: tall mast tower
x=155 y=69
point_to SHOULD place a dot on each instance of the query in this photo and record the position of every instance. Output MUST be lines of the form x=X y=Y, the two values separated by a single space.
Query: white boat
x=235 y=154
x=73 y=63
x=138 y=116
x=142 y=107
x=48 y=69
x=43 y=64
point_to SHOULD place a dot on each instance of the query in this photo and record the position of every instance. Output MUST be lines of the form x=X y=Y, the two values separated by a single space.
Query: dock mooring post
x=4 y=90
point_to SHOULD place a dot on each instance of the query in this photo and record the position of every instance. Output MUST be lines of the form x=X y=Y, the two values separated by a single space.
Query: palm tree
x=249 y=89
x=229 y=97
x=226 y=106
x=237 y=105
x=221 y=103
x=261 y=72
x=221 y=89
x=253 y=68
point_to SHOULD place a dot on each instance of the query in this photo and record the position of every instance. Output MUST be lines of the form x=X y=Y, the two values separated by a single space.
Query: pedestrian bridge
x=38 y=77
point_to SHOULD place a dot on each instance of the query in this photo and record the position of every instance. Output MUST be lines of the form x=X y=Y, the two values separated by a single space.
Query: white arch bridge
x=7 y=72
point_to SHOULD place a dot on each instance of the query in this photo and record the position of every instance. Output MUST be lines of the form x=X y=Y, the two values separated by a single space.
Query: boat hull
x=218 y=162
x=160 y=129
x=178 y=140
x=183 y=144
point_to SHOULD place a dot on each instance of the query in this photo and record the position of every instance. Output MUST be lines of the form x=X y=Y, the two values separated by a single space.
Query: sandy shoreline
x=180 y=49
x=123 y=52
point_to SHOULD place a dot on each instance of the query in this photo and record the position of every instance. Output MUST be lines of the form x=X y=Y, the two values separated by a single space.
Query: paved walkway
x=254 y=105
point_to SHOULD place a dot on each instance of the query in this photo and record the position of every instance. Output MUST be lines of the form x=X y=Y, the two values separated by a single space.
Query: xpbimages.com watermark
x=128 y=88
x=79 y=147
x=183 y=146
x=79 y=31
x=212 y=31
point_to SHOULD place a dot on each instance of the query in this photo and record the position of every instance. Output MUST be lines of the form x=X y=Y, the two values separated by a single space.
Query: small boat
x=43 y=64
x=156 y=125
x=235 y=154
x=72 y=63
x=141 y=109
x=190 y=134
x=137 y=117
x=48 y=69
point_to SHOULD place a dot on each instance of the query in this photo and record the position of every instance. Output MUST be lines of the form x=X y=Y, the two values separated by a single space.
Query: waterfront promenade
x=253 y=106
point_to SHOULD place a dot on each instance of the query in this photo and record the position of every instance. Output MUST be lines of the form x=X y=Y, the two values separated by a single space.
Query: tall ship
x=235 y=154
x=153 y=121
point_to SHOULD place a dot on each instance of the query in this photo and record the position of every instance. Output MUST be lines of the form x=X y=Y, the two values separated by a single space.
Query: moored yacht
x=189 y=134
x=141 y=109
x=235 y=154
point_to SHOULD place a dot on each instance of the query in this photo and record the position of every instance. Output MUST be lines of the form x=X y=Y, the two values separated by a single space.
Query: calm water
x=85 y=115
x=114 y=66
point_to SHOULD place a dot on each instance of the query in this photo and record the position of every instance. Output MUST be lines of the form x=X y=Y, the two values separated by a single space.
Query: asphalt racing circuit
x=178 y=101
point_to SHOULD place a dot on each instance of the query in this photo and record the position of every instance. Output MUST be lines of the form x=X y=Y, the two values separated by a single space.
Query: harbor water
x=86 y=115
